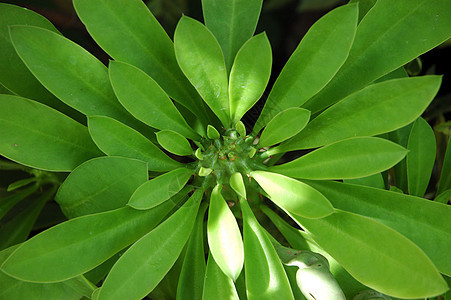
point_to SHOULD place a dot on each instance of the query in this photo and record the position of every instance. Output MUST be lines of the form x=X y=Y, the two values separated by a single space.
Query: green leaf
x=145 y=263
x=232 y=23
x=376 y=255
x=350 y=158
x=284 y=125
x=38 y=136
x=115 y=138
x=249 y=76
x=293 y=196
x=88 y=241
x=100 y=184
x=192 y=275
x=174 y=142
x=212 y=133
x=364 y=7
x=444 y=197
x=237 y=184
x=388 y=105
x=401 y=137
x=421 y=157
x=424 y=222
x=376 y=181
x=386 y=39
x=224 y=236
x=315 y=61
x=445 y=175
x=146 y=100
x=265 y=275
x=200 y=58
x=143 y=43
x=20 y=183
x=217 y=285
x=10 y=200
x=160 y=189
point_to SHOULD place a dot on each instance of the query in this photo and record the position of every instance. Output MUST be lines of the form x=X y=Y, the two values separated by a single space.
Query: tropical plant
x=139 y=151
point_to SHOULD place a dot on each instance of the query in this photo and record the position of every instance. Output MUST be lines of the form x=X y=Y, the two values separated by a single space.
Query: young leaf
x=224 y=236
x=350 y=158
x=265 y=275
x=249 y=76
x=146 y=262
x=315 y=61
x=115 y=138
x=108 y=22
x=376 y=255
x=95 y=238
x=212 y=133
x=192 y=275
x=386 y=39
x=423 y=222
x=237 y=184
x=100 y=184
x=445 y=176
x=232 y=23
x=293 y=196
x=20 y=183
x=200 y=58
x=160 y=189
x=38 y=136
x=284 y=125
x=9 y=200
x=174 y=142
x=146 y=100
x=217 y=285
x=388 y=105
x=421 y=157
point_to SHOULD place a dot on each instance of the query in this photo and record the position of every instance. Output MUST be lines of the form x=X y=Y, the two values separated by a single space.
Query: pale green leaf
x=237 y=184
x=217 y=285
x=174 y=142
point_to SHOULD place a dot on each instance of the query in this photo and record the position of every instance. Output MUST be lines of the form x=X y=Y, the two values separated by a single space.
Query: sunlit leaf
x=217 y=285
x=174 y=142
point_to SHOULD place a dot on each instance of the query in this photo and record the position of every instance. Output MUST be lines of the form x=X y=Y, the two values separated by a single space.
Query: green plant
x=170 y=112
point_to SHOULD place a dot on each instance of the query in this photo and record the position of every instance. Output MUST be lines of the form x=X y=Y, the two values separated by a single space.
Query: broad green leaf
x=11 y=288
x=88 y=241
x=376 y=255
x=376 y=181
x=364 y=7
x=445 y=176
x=38 y=136
x=10 y=200
x=350 y=158
x=237 y=184
x=145 y=263
x=224 y=236
x=232 y=23
x=249 y=75
x=389 y=105
x=200 y=58
x=212 y=133
x=284 y=125
x=315 y=61
x=217 y=285
x=265 y=275
x=143 y=43
x=444 y=197
x=401 y=137
x=115 y=138
x=146 y=100
x=421 y=157
x=424 y=222
x=293 y=196
x=174 y=142
x=192 y=275
x=100 y=184
x=159 y=189
x=386 y=39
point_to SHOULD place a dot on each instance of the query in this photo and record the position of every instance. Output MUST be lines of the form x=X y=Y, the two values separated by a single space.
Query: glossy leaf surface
x=389 y=105
x=249 y=76
x=38 y=136
x=293 y=196
x=237 y=184
x=146 y=100
x=445 y=176
x=421 y=157
x=350 y=158
x=265 y=275
x=426 y=223
x=315 y=61
x=376 y=255
x=159 y=189
x=100 y=184
x=115 y=138
x=174 y=142
x=224 y=236
x=376 y=181
x=232 y=23
x=218 y=285
x=145 y=263
x=96 y=237
x=284 y=125
x=200 y=58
